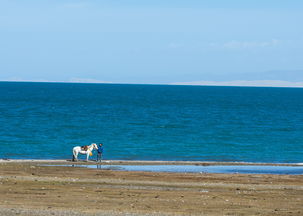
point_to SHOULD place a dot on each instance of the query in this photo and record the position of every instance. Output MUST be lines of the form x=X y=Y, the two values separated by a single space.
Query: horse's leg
x=75 y=155
x=87 y=155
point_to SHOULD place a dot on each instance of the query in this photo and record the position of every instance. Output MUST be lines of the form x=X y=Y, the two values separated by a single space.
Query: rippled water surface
x=152 y=122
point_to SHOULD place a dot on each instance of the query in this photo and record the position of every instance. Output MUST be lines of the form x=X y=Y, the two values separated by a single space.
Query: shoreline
x=146 y=162
x=27 y=188
x=207 y=84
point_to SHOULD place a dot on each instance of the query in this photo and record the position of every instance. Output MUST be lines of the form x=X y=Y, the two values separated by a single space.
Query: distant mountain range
x=278 y=78
x=290 y=78
x=284 y=75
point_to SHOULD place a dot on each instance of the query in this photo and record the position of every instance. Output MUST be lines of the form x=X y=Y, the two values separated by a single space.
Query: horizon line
x=245 y=83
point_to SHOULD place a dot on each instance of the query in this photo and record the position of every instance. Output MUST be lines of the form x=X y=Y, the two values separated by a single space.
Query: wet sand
x=27 y=188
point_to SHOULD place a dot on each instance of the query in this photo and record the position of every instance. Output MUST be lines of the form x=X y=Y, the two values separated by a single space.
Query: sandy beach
x=28 y=188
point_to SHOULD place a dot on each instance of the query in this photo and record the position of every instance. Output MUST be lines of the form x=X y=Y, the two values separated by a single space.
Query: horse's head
x=95 y=146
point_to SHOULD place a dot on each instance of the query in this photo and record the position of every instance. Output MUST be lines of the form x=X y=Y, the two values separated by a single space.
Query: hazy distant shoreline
x=234 y=83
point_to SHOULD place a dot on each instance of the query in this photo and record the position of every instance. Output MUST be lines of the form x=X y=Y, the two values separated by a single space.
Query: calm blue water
x=152 y=122
x=247 y=169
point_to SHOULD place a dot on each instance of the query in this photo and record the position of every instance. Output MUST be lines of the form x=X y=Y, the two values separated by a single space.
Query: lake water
x=228 y=169
x=152 y=122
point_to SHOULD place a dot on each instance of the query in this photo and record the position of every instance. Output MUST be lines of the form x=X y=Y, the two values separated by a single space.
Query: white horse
x=77 y=150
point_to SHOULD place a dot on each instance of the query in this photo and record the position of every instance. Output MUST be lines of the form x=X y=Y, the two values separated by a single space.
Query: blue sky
x=134 y=41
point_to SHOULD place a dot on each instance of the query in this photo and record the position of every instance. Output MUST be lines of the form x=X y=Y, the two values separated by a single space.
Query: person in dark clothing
x=100 y=152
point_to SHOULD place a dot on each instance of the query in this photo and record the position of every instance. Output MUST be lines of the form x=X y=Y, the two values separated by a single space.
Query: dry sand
x=26 y=188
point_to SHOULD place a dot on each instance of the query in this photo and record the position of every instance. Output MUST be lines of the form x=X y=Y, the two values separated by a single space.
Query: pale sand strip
x=153 y=185
x=47 y=212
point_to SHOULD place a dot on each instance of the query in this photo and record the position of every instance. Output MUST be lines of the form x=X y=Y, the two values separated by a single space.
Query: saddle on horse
x=84 y=148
